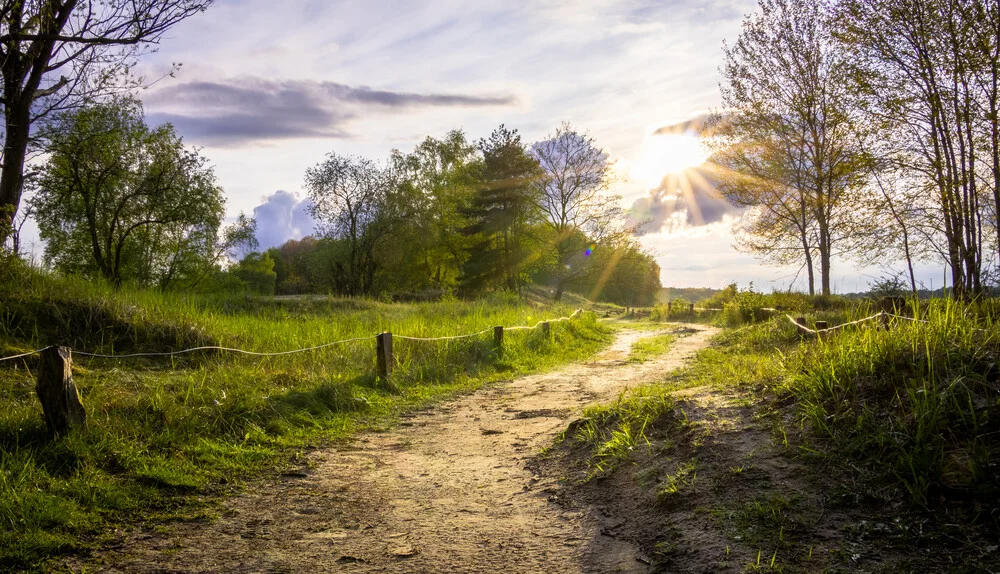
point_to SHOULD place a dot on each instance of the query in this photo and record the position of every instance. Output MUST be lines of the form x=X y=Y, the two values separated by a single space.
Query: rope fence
x=821 y=328
x=293 y=351
x=64 y=410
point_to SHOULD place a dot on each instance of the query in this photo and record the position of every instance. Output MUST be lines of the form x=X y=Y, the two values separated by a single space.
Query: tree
x=126 y=201
x=438 y=177
x=572 y=198
x=626 y=275
x=256 y=271
x=786 y=143
x=353 y=200
x=928 y=70
x=500 y=213
x=56 y=55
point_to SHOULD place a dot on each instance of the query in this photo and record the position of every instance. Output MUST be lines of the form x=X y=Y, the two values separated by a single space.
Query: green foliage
x=628 y=275
x=500 y=212
x=162 y=433
x=920 y=397
x=256 y=270
x=124 y=201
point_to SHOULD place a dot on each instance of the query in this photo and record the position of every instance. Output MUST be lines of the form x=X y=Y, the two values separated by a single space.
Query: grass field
x=164 y=435
x=907 y=420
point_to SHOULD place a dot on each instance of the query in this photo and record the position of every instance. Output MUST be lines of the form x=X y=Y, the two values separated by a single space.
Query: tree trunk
x=16 y=123
x=560 y=284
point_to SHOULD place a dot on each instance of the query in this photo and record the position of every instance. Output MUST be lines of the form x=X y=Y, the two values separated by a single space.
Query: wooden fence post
x=498 y=340
x=56 y=391
x=883 y=320
x=691 y=307
x=383 y=354
x=800 y=322
x=820 y=325
x=546 y=329
x=669 y=305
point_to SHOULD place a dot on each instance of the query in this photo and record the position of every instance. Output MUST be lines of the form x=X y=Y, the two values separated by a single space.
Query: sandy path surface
x=445 y=491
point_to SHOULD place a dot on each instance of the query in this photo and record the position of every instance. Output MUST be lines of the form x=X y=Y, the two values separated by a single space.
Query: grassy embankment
x=162 y=433
x=903 y=424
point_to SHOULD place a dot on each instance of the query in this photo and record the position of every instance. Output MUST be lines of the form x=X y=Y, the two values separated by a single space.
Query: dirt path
x=446 y=491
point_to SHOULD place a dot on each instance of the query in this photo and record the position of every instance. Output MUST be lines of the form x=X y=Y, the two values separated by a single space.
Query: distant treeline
x=120 y=200
x=464 y=217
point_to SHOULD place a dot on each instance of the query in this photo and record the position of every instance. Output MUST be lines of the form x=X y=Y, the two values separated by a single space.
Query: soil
x=460 y=487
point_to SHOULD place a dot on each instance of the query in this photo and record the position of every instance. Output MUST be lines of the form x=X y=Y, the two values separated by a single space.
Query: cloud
x=691 y=126
x=681 y=200
x=281 y=217
x=249 y=109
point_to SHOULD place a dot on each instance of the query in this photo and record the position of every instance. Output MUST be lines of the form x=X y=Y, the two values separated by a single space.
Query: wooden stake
x=800 y=322
x=546 y=329
x=820 y=325
x=56 y=391
x=498 y=340
x=691 y=307
x=383 y=354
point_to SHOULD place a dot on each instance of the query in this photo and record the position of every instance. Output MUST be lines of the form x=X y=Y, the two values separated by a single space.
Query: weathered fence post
x=669 y=305
x=546 y=329
x=56 y=391
x=383 y=354
x=820 y=325
x=691 y=307
x=800 y=322
x=498 y=340
x=883 y=320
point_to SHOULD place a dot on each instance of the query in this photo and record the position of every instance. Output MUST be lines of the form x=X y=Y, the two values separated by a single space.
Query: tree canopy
x=126 y=201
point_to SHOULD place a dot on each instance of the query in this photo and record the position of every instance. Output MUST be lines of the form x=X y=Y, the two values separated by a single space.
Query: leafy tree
x=785 y=142
x=256 y=271
x=576 y=210
x=59 y=54
x=500 y=213
x=928 y=72
x=437 y=179
x=628 y=275
x=126 y=201
x=355 y=203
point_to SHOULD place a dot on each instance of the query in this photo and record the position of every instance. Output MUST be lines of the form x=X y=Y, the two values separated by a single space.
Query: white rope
x=257 y=354
x=835 y=327
x=913 y=319
x=488 y=329
x=228 y=349
x=29 y=353
x=536 y=325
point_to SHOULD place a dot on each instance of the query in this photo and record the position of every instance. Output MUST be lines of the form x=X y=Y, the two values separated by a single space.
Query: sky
x=267 y=89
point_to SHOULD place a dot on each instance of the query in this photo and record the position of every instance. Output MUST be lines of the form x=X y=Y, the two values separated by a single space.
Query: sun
x=667 y=154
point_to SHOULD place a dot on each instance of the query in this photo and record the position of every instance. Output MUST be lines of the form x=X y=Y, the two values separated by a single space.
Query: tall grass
x=919 y=401
x=915 y=408
x=163 y=432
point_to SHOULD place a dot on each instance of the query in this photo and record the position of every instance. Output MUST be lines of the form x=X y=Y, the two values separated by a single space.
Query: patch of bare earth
x=451 y=489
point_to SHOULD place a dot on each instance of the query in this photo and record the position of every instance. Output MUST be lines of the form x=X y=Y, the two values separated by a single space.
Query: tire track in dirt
x=446 y=491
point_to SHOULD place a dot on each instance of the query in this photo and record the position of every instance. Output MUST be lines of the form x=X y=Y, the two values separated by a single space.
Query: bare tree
x=788 y=124
x=573 y=199
x=58 y=54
